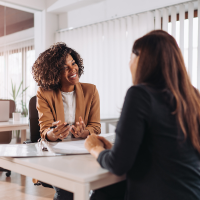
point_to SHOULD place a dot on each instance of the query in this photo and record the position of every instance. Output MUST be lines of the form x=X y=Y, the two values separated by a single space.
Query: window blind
x=106 y=47
x=16 y=61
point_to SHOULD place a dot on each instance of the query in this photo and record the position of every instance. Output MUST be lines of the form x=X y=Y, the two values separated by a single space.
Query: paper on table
x=72 y=146
x=75 y=146
x=69 y=147
x=23 y=150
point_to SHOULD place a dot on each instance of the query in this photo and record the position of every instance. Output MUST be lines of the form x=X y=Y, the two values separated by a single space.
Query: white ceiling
x=61 y=6
x=53 y=6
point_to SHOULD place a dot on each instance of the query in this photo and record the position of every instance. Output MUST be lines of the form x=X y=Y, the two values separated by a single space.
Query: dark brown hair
x=49 y=65
x=161 y=64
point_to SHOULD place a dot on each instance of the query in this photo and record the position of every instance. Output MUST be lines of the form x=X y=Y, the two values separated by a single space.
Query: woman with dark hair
x=71 y=107
x=157 y=141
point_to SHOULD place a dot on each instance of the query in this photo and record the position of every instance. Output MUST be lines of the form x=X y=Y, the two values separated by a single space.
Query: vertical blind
x=16 y=61
x=106 y=47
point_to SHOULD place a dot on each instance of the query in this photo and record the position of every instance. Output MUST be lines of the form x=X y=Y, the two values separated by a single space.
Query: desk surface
x=76 y=173
x=23 y=122
x=16 y=125
x=80 y=168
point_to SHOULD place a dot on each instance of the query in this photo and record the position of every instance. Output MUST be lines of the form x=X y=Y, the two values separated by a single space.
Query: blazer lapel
x=59 y=107
x=80 y=104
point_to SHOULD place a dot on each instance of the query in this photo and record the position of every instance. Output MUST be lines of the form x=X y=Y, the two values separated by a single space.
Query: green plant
x=24 y=109
x=16 y=93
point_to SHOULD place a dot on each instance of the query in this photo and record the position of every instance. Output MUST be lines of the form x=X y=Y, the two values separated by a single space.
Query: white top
x=69 y=104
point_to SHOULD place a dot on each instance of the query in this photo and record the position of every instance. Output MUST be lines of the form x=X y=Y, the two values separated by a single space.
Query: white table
x=76 y=173
x=17 y=125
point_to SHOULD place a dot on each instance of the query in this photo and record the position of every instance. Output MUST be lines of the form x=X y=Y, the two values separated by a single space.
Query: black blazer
x=150 y=148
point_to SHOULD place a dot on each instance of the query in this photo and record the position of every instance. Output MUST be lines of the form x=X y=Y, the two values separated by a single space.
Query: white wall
x=50 y=25
x=38 y=33
x=49 y=3
x=87 y=15
x=45 y=25
x=63 y=20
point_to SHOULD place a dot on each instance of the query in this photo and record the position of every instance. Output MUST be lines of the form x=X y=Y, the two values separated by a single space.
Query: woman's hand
x=61 y=131
x=107 y=144
x=94 y=145
x=79 y=130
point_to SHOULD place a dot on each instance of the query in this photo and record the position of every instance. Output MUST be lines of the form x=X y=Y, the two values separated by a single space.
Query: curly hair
x=49 y=65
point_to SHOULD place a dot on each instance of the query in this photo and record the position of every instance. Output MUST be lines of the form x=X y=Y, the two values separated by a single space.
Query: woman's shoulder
x=42 y=92
x=139 y=89
x=143 y=88
x=139 y=94
x=88 y=87
x=154 y=95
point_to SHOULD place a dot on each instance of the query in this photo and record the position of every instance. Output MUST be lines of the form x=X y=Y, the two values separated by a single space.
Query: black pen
x=56 y=126
x=53 y=126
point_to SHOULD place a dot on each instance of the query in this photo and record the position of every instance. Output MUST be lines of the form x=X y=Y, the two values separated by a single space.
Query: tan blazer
x=50 y=107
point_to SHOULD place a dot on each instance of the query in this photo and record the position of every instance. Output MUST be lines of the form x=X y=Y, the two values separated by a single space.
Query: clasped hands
x=62 y=130
x=96 y=144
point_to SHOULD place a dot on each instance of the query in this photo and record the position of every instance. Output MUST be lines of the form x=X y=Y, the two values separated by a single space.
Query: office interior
x=102 y=32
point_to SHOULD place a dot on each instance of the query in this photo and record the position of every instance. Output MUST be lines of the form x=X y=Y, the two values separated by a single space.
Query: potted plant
x=24 y=108
x=17 y=114
x=15 y=94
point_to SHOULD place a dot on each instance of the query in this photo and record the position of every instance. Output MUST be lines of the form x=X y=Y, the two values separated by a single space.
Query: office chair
x=33 y=120
x=34 y=129
x=6 y=136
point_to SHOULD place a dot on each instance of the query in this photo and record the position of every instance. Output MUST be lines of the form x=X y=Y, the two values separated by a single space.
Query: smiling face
x=133 y=65
x=69 y=76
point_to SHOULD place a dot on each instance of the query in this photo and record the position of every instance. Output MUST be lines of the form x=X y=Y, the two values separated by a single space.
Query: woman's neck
x=67 y=88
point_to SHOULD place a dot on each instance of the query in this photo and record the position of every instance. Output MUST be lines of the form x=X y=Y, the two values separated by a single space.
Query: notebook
x=4 y=111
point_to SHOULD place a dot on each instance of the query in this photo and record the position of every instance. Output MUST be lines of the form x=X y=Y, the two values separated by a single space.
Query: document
x=69 y=147
x=75 y=146
x=23 y=150
x=66 y=147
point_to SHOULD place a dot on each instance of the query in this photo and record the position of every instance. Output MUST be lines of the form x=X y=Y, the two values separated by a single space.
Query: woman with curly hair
x=73 y=108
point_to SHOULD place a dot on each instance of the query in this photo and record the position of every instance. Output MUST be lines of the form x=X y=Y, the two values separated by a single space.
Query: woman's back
x=167 y=166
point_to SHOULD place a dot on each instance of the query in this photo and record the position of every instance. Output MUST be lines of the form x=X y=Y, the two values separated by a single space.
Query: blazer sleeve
x=94 y=125
x=44 y=111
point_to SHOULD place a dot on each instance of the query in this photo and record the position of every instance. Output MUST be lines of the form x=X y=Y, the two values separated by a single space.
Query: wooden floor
x=19 y=187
